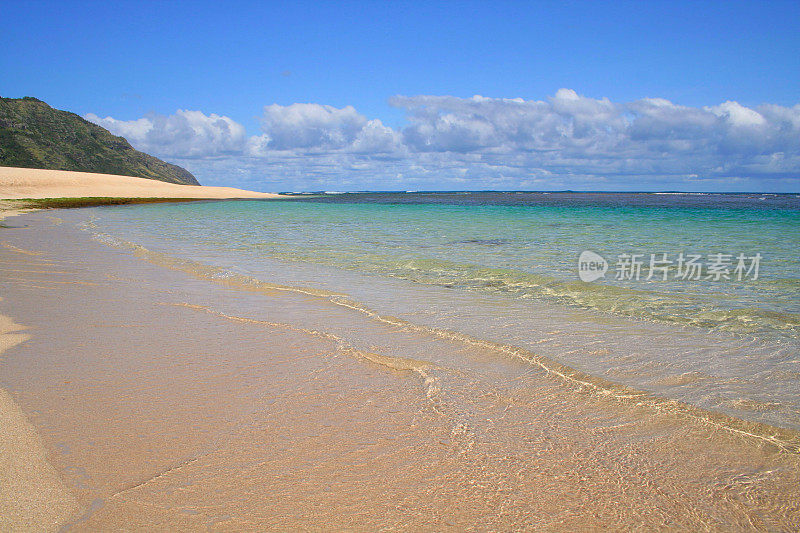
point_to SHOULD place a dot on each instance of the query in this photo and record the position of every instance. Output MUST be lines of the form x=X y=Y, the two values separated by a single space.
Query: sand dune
x=18 y=183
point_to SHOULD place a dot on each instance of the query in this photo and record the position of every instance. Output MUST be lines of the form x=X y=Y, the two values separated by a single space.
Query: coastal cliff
x=34 y=135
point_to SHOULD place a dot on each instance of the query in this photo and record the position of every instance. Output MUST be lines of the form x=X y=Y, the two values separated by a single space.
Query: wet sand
x=32 y=494
x=163 y=398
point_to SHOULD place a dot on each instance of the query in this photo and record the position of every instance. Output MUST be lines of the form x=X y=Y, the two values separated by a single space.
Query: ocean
x=411 y=361
x=696 y=301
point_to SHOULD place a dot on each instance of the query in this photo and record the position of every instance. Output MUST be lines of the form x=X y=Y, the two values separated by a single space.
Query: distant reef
x=34 y=135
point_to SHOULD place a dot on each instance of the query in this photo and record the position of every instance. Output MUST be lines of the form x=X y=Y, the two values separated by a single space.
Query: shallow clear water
x=171 y=393
x=503 y=267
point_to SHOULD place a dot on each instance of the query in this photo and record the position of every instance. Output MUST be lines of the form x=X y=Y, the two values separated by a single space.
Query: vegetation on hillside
x=34 y=135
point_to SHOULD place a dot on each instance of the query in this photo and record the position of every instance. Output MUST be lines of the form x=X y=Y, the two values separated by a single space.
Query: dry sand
x=17 y=183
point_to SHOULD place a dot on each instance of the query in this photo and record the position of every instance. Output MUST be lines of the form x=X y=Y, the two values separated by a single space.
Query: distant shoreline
x=38 y=184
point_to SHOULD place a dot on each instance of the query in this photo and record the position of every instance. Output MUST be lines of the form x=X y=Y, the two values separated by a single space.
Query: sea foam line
x=784 y=439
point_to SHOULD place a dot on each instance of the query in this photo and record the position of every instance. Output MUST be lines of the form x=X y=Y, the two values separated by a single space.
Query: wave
x=784 y=439
x=670 y=307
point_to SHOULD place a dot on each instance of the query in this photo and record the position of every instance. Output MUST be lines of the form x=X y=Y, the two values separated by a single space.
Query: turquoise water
x=504 y=266
x=528 y=251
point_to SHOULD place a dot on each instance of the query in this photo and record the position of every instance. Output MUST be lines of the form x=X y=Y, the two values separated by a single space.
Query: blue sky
x=580 y=95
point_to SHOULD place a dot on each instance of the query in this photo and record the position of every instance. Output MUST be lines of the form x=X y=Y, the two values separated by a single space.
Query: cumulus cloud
x=321 y=128
x=310 y=126
x=445 y=123
x=587 y=136
x=478 y=142
x=183 y=134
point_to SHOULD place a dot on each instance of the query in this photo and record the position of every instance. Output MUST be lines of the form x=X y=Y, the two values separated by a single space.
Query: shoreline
x=159 y=390
x=23 y=190
x=27 y=183
x=19 y=206
x=33 y=494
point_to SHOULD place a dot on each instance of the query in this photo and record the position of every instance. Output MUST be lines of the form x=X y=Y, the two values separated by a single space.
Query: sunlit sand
x=17 y=183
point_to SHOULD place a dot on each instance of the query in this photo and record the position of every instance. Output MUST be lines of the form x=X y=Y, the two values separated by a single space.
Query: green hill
x=34 y=135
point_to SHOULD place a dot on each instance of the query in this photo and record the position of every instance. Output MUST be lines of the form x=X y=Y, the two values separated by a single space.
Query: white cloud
x=376 y=138
x=479 y=142
x=586 y=136
x=183 y=134
x=737 y=115
x=310 y=126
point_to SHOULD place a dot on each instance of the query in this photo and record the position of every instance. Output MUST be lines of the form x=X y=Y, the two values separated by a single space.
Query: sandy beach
x=150 y=393
x=18 y=183
x=392 y=267
x=33 y=495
